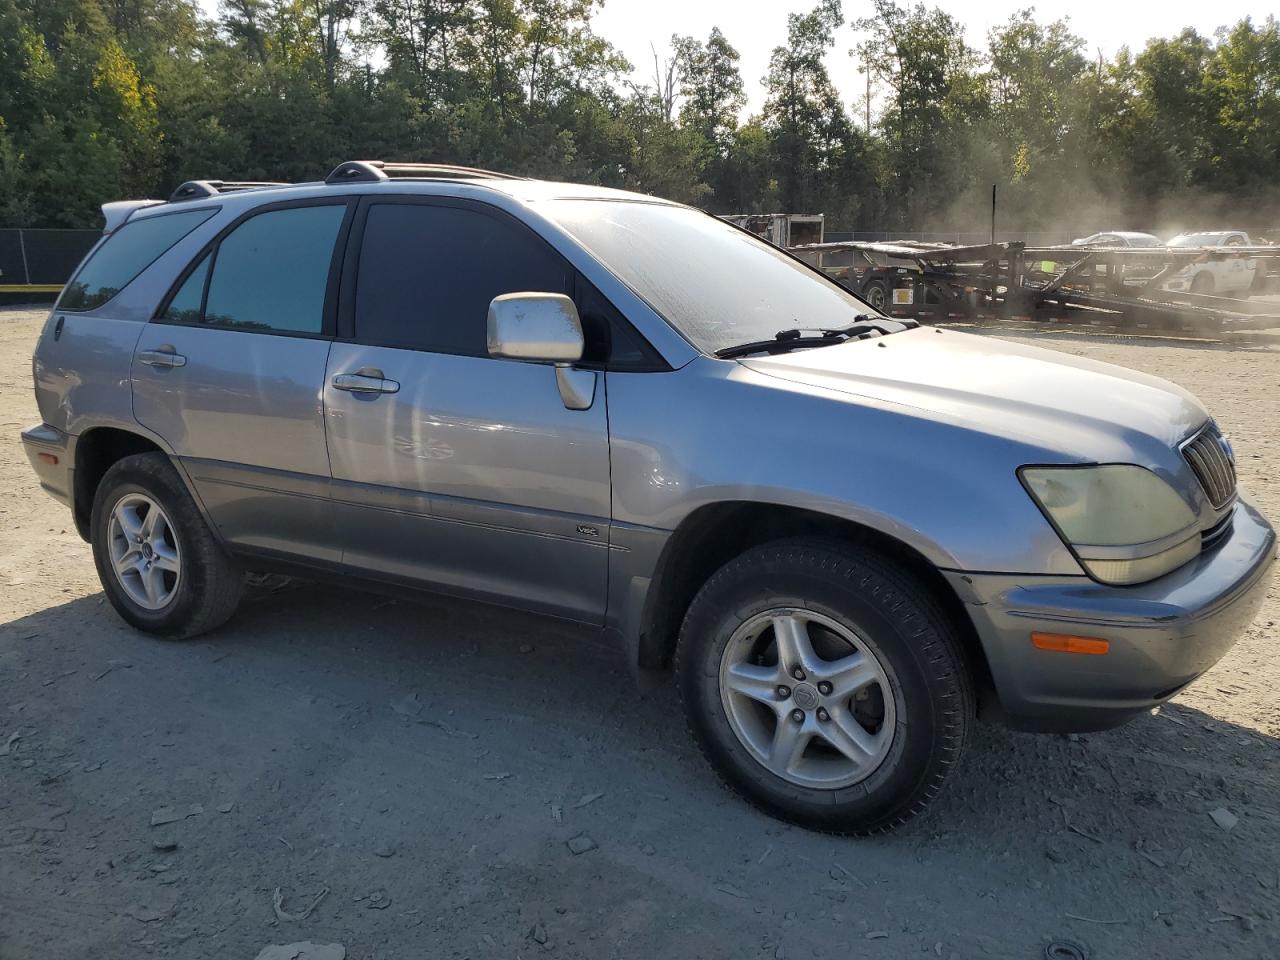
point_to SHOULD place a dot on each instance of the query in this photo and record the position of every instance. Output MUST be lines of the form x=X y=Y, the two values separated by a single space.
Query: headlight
x=1124 y=523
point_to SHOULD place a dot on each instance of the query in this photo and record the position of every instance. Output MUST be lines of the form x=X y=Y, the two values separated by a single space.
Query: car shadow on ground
x=331 y=719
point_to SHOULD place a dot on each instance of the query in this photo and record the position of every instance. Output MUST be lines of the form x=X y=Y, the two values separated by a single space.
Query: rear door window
x=427 y=273
x=125 y=254
x=187 y=302
x=272 y=272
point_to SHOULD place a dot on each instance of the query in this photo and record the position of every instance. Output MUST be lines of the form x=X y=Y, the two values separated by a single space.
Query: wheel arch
x=714 y=534
x=1204 y=278
x=97 y=449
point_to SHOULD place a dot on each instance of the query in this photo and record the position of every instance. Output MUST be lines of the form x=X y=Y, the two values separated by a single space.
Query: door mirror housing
x=536 y=327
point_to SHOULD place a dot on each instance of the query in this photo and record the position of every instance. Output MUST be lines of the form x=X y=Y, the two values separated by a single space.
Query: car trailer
x=1120 y=287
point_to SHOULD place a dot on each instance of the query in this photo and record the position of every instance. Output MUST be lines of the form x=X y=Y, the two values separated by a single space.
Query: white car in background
x=1223 y=276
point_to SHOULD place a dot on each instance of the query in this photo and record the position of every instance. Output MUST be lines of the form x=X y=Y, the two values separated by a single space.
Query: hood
x=1075 y=407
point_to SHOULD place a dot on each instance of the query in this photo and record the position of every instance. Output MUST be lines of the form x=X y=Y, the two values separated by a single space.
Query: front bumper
x=52 y=458
x=1163 y=634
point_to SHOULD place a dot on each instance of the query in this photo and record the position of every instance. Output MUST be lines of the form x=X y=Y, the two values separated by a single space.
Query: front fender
x=711 y=433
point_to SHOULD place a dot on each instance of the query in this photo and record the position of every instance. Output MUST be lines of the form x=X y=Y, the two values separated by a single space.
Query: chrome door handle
x=161 y=358
x=363 y=383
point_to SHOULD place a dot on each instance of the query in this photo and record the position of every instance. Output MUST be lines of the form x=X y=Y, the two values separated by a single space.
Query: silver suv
x=850 y=536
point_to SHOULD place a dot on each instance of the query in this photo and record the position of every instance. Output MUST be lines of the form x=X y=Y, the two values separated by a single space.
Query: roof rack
x=199 y=189
x=372 y=171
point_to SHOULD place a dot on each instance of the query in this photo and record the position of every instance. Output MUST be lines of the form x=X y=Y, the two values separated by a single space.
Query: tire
x=876 y=295
x=196 y=584
x=1202 y=282
x=914 y=716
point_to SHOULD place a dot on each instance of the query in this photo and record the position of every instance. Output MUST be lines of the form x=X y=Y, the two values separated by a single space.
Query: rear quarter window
x=125 y=254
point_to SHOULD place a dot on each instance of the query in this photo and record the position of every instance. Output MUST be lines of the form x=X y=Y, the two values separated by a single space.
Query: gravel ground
x=409 y=777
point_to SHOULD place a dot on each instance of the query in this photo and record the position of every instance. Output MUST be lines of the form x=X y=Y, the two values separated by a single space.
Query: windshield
x=717 y=285
x=1195 y=240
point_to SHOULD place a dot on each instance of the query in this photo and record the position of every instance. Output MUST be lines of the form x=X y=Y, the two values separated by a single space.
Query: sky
x=1106 y=25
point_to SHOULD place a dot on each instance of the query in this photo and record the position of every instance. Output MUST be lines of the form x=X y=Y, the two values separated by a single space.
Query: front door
x=452 y=469
x=230 y=374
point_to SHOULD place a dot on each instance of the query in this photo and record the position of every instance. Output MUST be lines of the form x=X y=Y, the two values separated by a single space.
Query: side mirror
x=538 y=327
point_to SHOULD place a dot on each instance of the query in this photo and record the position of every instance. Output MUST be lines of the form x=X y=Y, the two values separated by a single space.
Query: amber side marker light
x=1065 y=643
x=48 y=457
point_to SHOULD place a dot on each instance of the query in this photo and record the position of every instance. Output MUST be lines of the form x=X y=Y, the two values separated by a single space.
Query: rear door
x=229 y=373
x=453 y=469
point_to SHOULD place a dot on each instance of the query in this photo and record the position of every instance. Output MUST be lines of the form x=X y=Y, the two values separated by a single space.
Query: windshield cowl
x=800 y=338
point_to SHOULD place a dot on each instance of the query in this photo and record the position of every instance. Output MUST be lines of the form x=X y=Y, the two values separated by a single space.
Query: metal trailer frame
x=1096 y=286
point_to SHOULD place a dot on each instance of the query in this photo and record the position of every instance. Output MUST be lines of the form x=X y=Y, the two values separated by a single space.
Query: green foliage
x=101 y=99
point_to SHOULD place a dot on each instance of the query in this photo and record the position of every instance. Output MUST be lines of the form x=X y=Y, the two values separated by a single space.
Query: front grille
x=1210 y=458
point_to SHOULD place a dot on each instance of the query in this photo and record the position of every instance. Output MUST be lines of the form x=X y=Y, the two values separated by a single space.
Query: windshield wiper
x=795 y=338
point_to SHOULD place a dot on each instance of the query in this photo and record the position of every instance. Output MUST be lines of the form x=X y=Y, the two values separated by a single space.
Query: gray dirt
x=410 y=780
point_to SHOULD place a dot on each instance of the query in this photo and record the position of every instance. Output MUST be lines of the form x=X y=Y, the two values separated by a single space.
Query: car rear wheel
x=158 y=562
x=824 y=684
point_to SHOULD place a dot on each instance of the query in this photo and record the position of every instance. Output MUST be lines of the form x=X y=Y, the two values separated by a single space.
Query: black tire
x=1202 y=282
x=208 y=589
x=900 y=623
x=876 y=294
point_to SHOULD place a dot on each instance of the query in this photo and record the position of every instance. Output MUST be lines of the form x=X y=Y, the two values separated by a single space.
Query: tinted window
x=427 y=274
x=271 y=272
x=185 y=305
x=124 y=255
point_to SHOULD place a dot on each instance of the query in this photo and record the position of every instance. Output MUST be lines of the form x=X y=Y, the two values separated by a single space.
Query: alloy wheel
x=146 y=557
x=808 y=698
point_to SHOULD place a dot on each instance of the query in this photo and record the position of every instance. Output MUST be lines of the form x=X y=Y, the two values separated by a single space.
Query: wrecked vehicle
x=848 y=536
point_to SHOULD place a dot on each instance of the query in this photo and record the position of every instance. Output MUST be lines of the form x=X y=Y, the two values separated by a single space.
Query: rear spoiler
x=119 y=211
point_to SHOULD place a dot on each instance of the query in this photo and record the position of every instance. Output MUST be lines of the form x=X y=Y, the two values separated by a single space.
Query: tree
x=1242 y=95
x=1033 y=75
x=803 y=112
x=101 y=99
x=710 y=86
x=936 y=95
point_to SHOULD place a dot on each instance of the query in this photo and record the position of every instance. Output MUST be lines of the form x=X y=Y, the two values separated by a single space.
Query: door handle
x=365 y=381
x=162 y=358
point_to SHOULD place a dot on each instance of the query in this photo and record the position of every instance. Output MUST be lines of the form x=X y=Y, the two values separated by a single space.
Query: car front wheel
x=824 y=684
x=159 y=564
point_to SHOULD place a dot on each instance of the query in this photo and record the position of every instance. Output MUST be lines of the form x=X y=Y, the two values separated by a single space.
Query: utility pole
x=993 y=213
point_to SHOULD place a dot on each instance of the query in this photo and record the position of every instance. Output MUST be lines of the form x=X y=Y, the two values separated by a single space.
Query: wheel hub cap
x=830 y=730
x=805 y=696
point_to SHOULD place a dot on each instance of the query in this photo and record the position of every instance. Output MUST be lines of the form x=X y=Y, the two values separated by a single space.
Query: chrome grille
x=1210 y=458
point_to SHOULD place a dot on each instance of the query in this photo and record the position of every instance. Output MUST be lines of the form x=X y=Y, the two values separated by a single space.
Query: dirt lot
x=418 y=769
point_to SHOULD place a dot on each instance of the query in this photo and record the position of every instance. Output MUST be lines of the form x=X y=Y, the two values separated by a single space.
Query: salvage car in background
x=1118 y=238
x=1221 y=275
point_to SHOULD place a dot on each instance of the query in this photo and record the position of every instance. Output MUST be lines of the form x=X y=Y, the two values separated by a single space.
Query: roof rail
x=199 y=189
x=372 y=171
